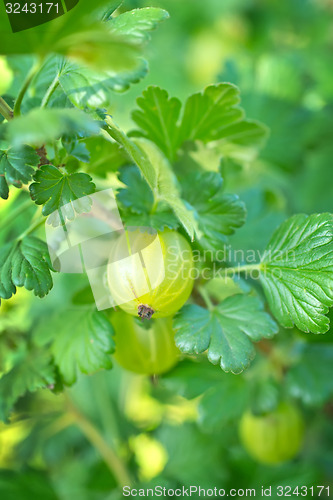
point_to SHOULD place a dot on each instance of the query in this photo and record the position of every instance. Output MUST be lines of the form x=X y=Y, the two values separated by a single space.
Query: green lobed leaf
x=82 y=342
x=76 y=148
x=310 y=378
x=55 y=189
x=297 y=272
x=33 y=372
x=246 y=133
x=226 y=331
x=218 y=214
x=137 y=196
x=16 y=167
x=138 y=202
x=40 y=126
x=25 y=263
x=158 y=119
x=207 y=114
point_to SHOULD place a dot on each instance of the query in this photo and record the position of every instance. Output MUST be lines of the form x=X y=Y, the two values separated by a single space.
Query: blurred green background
x=58 y=446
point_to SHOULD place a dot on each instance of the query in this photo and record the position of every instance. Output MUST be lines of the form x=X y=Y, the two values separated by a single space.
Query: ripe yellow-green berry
x=275 y=437
x=6 y=75
x=150 y=275
x=144 y=347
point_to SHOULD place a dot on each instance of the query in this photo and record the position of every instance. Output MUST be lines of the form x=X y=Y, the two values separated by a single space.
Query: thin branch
x=6 y=110
x=112 y=460
x=31 y=75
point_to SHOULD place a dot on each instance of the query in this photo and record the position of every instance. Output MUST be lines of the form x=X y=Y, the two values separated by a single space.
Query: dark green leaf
x=33 y=372
x=218 y=214
x=82 y=342
x=310 y=378
x=137 y=196
x=77 y=149
x=54 y=189
x=25 y=263
x=297 y=272
x=16 y=167
x=188 y=461
x=138 y=199
x=226 y=331
x=26 y=484
x=105 y=156
x=223 y=403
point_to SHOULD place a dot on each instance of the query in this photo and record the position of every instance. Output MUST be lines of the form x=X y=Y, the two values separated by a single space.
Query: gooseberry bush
x=230 y=333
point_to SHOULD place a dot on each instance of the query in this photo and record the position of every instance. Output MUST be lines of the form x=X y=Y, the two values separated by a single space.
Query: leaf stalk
x=6 y=110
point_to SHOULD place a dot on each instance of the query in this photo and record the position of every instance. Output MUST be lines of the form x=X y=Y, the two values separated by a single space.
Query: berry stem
x=204 y=294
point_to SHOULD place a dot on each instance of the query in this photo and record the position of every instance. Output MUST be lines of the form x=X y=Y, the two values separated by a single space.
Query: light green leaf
x=218 y=214
x=40 y=126
x=86 y=87
x=212 y=115
x=136 y=24
x=167 y=190
x=226 y=331
x=25 y=263
x=246 y=133
x=297 y=272
x=158 y=119
x=54 y=189
x=33 y=372
x=207 y=114
x=16 y=167
x=82 y=342
x=136 y=154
